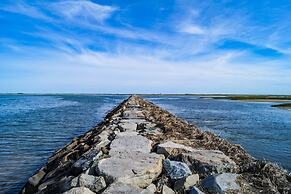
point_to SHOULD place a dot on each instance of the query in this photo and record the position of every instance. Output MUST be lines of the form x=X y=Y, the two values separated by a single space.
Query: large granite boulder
x=221 y=183
x=176 y=170
x=209 y=161
x=130 y=143
x=136 y=168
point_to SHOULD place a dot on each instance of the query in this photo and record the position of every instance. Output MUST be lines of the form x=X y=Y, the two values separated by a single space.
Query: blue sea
x=32 y=127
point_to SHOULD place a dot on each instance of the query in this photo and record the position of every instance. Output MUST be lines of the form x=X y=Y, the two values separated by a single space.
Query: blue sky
x=146 y=46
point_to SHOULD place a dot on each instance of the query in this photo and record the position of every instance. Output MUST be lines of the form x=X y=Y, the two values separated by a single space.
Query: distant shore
x=284 y=105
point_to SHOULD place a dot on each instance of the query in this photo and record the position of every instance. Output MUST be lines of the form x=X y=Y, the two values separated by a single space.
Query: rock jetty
x=141 y=148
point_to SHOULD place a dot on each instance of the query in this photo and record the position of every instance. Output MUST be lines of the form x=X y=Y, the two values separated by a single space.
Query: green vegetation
x=286 y=105
x=255 y=97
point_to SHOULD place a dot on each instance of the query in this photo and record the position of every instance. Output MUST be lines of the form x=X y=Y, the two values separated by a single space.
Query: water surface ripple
x=264 y=131
x=33 y=127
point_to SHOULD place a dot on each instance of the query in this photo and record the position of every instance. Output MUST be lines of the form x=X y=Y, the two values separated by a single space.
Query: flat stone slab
x=138 y=121
x=133 y=167
x=209 y=161
x=171 y=148
x=133 y=114
x=128 y=143
x=221 y=183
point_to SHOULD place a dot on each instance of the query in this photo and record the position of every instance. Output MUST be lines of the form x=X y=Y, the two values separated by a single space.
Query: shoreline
x=154 y=127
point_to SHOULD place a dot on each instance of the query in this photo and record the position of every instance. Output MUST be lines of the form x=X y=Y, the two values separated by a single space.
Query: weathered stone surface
x=122 y=188
x=83 y=163
x=79 y=190
x=104 y=135
x=195 y=190
x=186 y=183
x=94 y=183
x=151 y=189
x=34 y=180
x=171 y=148
x=127 y=133
x=209 y=161
x=138 y=121
x=176 y=170
x=167 y=190
x=131 y=167
x=133 y=114
x=134 y=143
x=191 y=181
x=221 y=183
x=55 y=185
x=128 y=126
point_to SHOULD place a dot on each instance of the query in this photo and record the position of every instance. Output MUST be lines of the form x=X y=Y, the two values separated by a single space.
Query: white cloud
x=80 y=10
x=25 y=9
x=193 y=29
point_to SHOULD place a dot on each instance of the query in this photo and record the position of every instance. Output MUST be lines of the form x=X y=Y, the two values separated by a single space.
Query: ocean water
x=264 y=131
x=33 y=127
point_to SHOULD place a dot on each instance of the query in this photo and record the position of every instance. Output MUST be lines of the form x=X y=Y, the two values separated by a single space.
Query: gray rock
x=170 y=148
x=167 y=190
x=128 y=126
x=209 y=161
x=221 y=183
x=94 y=183
x=34 y=180
x=124 y=143
x=186 y=183
x=195 y=190
x=176 y=170
x=151 y=189
x=122 y=188
x=191 y=181
x=79 y=190
x=136 y=168
x=84 y=162
x=137 y=121
x=104 y=135
x=127 y=133
x=133 y=114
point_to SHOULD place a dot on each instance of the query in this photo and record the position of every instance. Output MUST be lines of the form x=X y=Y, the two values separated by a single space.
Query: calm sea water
x=264 y=131
x=33 y=127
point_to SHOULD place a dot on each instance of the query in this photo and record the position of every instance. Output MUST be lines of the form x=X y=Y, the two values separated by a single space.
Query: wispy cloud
x=24 y=9
x=81 y=11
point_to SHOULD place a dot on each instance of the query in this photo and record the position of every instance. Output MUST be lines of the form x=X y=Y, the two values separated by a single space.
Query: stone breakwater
x=141 y=148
